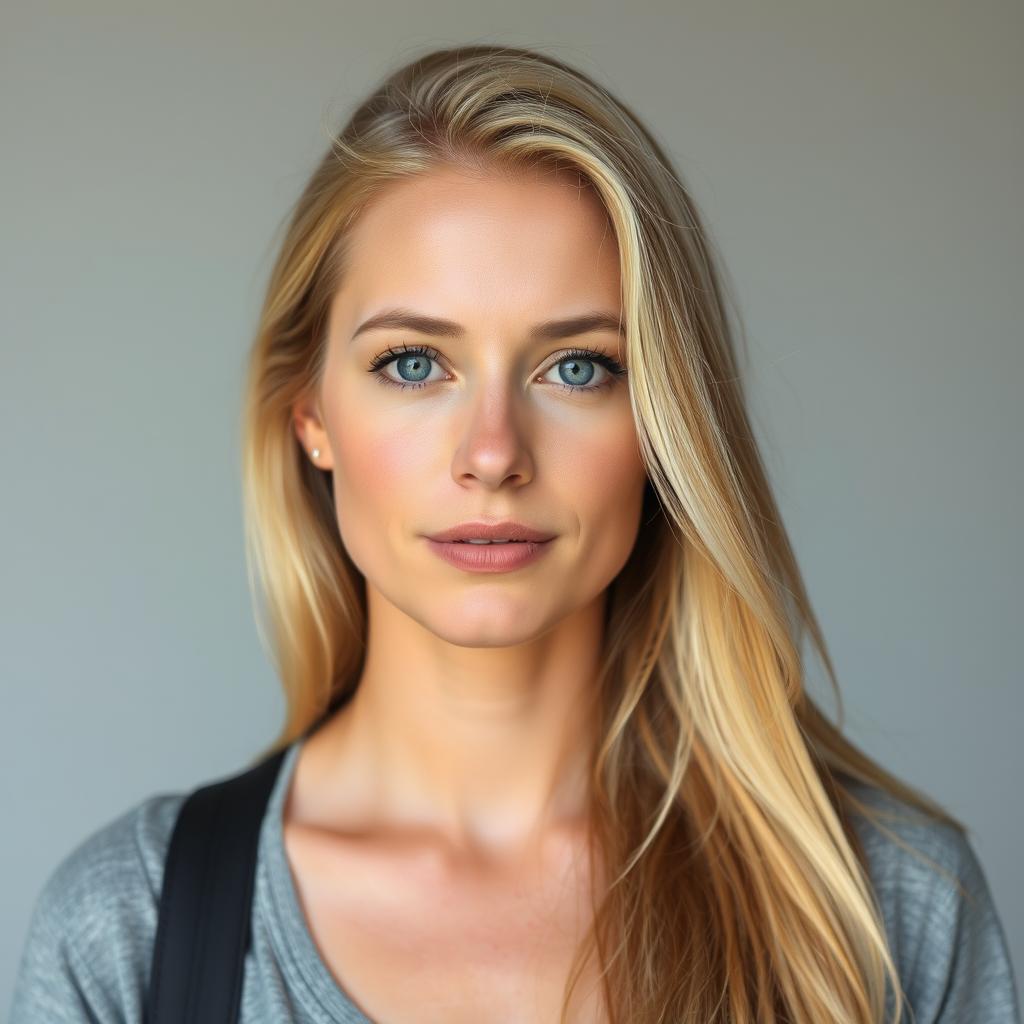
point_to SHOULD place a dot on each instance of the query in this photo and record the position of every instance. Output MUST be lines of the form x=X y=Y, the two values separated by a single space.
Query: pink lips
x=507 y=529
x=489 y=557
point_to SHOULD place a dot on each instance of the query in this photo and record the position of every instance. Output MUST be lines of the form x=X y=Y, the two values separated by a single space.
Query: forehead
x=479 y=245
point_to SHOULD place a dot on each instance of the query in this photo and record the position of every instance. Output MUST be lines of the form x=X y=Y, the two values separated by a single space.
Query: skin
x=453 y=784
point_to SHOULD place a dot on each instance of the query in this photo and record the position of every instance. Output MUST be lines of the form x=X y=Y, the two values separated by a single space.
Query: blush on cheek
x=377 y=479
x=602 y=463
x=605 y=479
x=623 y=464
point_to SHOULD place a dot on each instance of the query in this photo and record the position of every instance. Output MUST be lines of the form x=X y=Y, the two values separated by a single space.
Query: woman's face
x=497 y=422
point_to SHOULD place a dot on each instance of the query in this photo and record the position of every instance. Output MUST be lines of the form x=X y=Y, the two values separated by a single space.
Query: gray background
x=859 y=166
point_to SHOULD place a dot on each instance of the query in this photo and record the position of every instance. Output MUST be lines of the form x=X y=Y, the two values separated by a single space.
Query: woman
x=572 y=774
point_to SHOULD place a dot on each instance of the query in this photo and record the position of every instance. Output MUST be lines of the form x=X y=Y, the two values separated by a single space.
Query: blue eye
x=414 y=359
x=577 y=360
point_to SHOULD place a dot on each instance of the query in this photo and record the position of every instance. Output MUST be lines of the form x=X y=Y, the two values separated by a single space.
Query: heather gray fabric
x=87 y=953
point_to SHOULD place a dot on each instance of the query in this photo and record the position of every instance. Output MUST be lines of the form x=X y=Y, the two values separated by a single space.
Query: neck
x=488 y=748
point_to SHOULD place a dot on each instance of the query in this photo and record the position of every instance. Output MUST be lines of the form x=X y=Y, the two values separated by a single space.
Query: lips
x=507 y=530
x=484 y=543
x=489 y=557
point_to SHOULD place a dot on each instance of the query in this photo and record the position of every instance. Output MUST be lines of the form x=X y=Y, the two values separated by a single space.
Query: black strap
x=203 y=928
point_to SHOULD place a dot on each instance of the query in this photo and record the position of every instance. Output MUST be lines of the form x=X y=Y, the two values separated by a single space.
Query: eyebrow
x=548 y=330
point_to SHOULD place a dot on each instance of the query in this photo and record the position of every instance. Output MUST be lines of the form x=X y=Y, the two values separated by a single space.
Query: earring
x=315 y=453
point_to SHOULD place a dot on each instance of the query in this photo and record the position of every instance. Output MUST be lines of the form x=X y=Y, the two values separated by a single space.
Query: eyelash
x=614 y=367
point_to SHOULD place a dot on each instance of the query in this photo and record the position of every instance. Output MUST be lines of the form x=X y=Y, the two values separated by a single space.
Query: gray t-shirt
x=87 y=953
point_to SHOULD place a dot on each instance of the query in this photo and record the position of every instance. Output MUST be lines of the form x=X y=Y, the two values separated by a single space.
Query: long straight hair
x=738 y=888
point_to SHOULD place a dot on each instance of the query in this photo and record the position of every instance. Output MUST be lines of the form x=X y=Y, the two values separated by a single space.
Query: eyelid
x=612 y=367
x=390 y=354
x=576 y=352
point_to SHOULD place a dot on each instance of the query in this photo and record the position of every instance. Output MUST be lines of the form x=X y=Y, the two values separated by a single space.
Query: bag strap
x=204 y=923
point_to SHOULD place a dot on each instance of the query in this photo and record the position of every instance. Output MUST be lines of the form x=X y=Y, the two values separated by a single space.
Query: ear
x=310 y=431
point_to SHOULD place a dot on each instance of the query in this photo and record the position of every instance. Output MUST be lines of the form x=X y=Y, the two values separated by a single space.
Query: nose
x=494 y=445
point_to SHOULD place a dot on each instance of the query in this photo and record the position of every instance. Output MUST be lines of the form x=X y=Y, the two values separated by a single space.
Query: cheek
x=373 y=453
x=375 y=478
x=371 y=464
x=602 y=477
x=603 y=466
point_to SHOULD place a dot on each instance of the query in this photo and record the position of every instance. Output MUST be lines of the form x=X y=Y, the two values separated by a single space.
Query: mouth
x=506 y=531
x=471 y=541
x=482 y=555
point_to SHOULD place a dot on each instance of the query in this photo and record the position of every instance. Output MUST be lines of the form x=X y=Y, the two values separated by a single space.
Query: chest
x=410 y=938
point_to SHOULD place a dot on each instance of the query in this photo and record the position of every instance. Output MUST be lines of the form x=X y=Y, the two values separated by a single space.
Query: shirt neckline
x=308 y=976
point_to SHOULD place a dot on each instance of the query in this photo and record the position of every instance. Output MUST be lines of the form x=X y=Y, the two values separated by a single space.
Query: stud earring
x=315 y=453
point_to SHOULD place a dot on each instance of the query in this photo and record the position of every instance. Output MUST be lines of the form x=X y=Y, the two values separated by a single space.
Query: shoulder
x=94 y=920
x=118 y=866
x=944 y=931
x=896 y=851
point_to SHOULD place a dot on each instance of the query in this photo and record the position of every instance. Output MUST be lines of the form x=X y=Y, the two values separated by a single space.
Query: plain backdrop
x=859 y=166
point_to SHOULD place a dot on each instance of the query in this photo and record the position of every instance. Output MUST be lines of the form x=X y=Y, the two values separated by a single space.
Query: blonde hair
x=739 y=890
